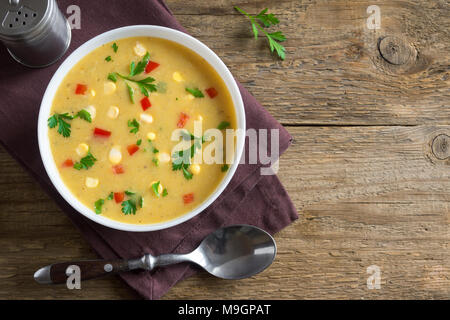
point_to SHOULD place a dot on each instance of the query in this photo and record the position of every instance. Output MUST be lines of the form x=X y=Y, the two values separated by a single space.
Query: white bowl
x=77 y=55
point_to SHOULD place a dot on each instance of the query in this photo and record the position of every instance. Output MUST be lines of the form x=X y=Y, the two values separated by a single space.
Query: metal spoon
x=233 y=252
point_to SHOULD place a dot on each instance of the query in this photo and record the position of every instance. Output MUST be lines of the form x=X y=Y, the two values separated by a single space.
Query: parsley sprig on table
x=146 y=85
x=264 y=20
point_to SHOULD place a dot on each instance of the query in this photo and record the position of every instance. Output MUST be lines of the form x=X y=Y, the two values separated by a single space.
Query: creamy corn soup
x=111 y=127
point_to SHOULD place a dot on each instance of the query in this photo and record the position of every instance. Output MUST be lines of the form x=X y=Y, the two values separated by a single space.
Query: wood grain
x=368 y=170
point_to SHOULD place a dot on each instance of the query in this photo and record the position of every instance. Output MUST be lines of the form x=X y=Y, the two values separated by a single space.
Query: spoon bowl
x=236 y=252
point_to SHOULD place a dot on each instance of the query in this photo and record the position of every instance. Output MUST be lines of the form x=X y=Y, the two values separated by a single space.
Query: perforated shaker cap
x=24 y=19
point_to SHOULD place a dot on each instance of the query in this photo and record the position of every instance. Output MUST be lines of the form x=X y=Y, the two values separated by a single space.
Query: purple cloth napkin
x=250 y=198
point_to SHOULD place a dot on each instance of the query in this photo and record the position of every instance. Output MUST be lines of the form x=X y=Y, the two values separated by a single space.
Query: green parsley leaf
x=138 y=143
x=145 y=85
x=223 y=125
x=155 y=161
x=115 y=47
x=129 y=207
x=165 y=193
x=110 y=196
x=112 y=77
x=224 y=168
x=140 y=201
x=277 y=47
x=84 y=114
x=60 y=120
x=267 y=20
x=98 y=206
x=186 y=173
x=155 y=187
x=129 y=193
x=108 y=59
x=134 y=125
x=195 y=92
x=152 y=148
x=85 y=162
x=130 y=92
x=140 y=67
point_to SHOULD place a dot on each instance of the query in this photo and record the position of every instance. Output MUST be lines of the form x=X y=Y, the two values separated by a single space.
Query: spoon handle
x=168 y=259
x=85 y=270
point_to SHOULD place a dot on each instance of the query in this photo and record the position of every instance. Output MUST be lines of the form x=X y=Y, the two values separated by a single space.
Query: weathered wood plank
x=334 y=73
x=366 y=196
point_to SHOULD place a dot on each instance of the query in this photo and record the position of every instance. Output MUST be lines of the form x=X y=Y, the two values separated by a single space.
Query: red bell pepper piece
x=145 y=103
x=102 y=133
x=119 y=196
x=67 y=163
x=151 y=65
x=183 y=119
x=81 y=88
x=118 y=169
x=188 y=198
x=132 y=148
x=212 y=92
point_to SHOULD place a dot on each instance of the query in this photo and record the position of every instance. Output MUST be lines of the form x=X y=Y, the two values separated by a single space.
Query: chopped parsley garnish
x=152 y=148
x=264 y=20
x=115 y=47
x=130 y=92
x=155 y=187
x=187 y=175
x=60 y=120
x=145 y=85
x=83 y=114
x=140 y=67
x=98 y=206
x=165 y=193
x=138 y=143
x=195 y=92
x=134 y=125
x=223 y=125
x=181 y=159
x=100 y=202
x=155 y=161
x=129 y=206
x=224 y=168
x=112 y=77
x=85 y=162
x=108 y=58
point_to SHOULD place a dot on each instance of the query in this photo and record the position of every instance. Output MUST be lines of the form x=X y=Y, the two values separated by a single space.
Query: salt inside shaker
x=35 y=32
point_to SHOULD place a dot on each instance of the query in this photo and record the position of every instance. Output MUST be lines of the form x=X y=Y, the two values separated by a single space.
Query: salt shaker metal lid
x=35 y=32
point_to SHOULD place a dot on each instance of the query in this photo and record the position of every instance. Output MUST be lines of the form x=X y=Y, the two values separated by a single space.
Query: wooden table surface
x=368 y=171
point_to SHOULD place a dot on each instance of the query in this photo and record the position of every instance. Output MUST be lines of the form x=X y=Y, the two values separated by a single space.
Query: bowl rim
x=126 y=32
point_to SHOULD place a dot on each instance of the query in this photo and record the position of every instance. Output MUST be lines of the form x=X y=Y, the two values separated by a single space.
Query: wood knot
x=396 y=50
x=441 y=146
